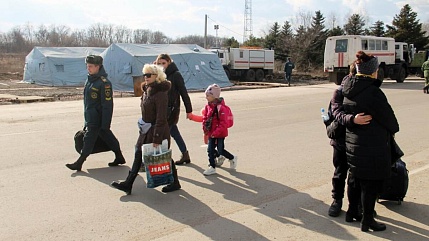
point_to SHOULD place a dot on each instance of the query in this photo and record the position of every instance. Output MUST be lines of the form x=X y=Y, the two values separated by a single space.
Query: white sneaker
x=210 y=171
x=233 y=162
x=219 y=161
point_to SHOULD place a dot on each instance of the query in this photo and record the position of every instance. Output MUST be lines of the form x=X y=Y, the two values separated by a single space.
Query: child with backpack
x=199 y=118
x=217 y=118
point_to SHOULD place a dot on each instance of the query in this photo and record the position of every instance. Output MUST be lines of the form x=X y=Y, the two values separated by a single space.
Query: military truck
x=416 y=65
x=246 y=64
x=394 y=57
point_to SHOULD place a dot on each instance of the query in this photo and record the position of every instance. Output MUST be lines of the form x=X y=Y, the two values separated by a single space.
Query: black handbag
x=396 y=151
x=100 y=145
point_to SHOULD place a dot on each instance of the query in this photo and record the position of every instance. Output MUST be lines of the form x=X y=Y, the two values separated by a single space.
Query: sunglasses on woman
x=148 y=75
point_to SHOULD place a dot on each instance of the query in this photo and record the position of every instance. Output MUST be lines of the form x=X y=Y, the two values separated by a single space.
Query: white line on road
x=22 y=133
x=419 y=169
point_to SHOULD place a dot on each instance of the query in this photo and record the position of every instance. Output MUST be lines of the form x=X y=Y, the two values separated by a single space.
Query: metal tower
x=248 y=26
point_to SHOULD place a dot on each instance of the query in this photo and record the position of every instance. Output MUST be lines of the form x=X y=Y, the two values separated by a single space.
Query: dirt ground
x=12 y=84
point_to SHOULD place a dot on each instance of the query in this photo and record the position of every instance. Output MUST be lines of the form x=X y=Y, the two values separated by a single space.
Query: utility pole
x=247 y=20
x=205 y=33
x=216 y=27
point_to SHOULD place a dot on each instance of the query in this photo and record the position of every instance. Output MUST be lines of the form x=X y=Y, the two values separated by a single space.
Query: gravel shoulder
x=12 y=88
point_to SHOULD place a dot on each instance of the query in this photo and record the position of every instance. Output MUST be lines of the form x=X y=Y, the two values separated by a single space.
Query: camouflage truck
x=416 y=65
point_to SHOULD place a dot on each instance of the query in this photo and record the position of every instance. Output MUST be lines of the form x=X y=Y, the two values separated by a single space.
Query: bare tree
x=199 y=40
x=141 y=36
x=109 y=30
x=332 y=20
x=303 y=19
x=80 y=37
x=42 y=35
x=158 y=38
x=19 y=44
x=119 y=36
x=29 y=32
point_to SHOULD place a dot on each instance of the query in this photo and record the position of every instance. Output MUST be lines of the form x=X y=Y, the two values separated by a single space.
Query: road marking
x=22 y=133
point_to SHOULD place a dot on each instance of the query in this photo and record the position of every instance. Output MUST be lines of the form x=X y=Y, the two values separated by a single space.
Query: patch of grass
x=12 y=63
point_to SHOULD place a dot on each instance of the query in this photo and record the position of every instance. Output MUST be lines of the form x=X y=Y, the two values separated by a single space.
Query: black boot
x=369 y=198
x=185 y=159
x=370 y=223
x=353 y=213
x=119 y=159
x=126 y=185
x=175 y=185
x=335 y=208
x=77 y=165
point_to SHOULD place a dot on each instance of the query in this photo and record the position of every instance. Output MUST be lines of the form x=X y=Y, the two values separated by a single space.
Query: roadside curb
x=15 y=99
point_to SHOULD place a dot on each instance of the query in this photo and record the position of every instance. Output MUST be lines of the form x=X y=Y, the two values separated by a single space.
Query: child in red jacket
x=199 y=118
x=215 y=126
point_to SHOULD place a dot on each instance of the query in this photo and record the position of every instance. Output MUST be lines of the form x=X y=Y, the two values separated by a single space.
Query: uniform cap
x=94 y=59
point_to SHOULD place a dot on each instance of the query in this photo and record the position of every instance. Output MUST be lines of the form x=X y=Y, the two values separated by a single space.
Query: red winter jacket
x=219 y=123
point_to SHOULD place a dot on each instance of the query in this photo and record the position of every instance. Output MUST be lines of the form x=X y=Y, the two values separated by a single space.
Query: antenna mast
x=247 y=20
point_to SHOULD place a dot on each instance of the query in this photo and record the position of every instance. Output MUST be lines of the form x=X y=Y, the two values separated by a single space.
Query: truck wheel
x=250 y=75
x=380 y=74
x=228 y=74
x=401 y=75
x=259 y=75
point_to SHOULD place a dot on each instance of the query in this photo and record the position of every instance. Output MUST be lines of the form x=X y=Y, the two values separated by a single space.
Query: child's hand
x=206 y=139
x=189 y=115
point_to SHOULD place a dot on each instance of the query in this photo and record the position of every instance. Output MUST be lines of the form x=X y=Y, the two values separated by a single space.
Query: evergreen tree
x=300 y=48
x=377 y=29
x=406 y=28
x=272 y=40
x=254 y=42
x=231 y=42
x=318 y=36
x=337 y=31
x=355 y=25
x=285 y=41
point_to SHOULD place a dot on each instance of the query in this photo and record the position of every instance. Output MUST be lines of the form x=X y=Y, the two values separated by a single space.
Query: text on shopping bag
x=159 y=169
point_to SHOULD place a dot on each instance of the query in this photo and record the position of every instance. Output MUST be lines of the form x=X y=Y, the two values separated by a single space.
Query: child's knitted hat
x=213 y=90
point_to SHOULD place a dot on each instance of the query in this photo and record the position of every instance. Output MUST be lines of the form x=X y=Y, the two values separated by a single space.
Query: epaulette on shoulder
x=103 y=79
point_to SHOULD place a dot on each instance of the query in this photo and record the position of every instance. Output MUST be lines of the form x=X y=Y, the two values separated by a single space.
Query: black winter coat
x=177 y=89
x=98 y=100
x=337 y=127
x=368 y=146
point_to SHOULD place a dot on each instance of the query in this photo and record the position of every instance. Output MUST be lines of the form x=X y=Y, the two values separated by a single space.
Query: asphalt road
x=280 y=191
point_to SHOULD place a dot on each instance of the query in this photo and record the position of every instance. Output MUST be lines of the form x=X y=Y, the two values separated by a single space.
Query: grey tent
x=58 y=66
x=198 y=66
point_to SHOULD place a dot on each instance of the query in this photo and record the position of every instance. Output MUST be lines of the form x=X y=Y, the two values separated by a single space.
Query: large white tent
x=198 y=66
x=58 y=66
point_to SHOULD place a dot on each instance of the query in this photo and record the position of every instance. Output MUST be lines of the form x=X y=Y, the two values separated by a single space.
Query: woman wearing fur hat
x=154 y=110
x=216 y=128
x=368 y=146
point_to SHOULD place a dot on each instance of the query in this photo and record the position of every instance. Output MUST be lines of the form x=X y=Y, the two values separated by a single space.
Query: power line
x=223 y=26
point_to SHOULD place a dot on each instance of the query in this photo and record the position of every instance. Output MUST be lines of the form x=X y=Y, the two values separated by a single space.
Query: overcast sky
x=178 y=18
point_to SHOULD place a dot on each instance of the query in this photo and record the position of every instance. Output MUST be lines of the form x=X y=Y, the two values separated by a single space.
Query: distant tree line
x=22 y=39
x=305 y=43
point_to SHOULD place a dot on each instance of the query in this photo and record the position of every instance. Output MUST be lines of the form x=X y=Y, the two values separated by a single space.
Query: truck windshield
x=341 y=45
